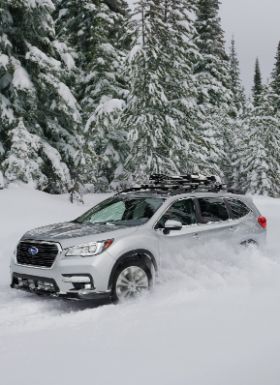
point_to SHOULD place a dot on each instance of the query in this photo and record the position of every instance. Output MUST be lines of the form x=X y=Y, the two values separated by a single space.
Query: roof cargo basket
x=180 y=184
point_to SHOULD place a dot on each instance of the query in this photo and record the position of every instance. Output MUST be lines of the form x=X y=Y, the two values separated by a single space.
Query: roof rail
x=176 y=184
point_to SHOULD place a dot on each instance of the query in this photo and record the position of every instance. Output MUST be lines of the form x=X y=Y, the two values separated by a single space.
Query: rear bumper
x=45 y=286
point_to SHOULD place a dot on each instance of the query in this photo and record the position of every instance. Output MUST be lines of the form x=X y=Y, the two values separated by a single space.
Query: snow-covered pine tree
x=261 y=154
x=212 y=72
x=179 y=57
x=95 y=31
x=36 y=89
x=275 y=83
x=105 y=91
x=150 y=140
x=235 y=130
x=25 y=158
x=236 y=87
x=258 y=86
x=6 y=110
x=74 y=25
x=160 y=116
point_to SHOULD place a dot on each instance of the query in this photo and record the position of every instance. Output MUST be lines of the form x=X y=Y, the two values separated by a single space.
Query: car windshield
x=123 y=211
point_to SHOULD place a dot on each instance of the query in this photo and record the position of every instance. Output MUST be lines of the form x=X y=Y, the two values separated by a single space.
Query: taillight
x=262 y=221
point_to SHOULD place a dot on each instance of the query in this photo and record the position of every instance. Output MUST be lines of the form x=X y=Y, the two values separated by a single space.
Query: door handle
x=195 y=235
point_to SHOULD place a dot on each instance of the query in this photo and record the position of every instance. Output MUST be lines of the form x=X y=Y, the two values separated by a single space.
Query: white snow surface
x=214 y=319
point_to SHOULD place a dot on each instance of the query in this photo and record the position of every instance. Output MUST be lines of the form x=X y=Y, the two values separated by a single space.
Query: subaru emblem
x=33 y=251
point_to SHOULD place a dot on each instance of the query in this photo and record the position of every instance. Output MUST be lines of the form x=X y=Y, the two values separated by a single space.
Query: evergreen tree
x=25 y=158
x=261 y=174
x=160 y=116
x=234 y=127
x=258 y=87
x=275 y=82
x=212 y=72
x=105 y=91
x=6 y=109
x=212 y=69
x=188 y=151
x=94 y=31
x=35 y=87
x=276 y=73
x=236 y=88
x=149 y=139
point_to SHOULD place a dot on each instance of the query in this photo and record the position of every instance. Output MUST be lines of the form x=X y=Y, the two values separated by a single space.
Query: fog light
x=88 y=286
x=76 y=279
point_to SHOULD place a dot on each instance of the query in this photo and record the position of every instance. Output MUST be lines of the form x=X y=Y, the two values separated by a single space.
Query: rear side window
x=238 y=209
x=182 y=211
x=213 y=210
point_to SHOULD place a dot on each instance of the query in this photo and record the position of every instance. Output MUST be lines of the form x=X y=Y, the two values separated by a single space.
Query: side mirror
x=171 y=225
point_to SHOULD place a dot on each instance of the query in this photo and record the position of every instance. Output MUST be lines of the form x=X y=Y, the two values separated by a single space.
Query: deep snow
x=214 y=319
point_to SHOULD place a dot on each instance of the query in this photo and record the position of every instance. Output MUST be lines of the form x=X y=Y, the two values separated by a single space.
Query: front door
x=177 y=242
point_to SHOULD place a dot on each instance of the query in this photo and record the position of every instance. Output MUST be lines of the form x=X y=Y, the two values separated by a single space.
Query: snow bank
x=213 y=320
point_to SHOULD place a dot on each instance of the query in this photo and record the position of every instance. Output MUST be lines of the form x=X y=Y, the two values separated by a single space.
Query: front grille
x=45 y=257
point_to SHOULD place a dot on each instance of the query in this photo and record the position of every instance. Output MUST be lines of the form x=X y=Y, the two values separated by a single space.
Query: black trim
x=140 y=254
x=86 y=296
x=35 y=279
x=90 y=296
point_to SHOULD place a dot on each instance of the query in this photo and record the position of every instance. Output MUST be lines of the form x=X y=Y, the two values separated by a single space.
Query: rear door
x=179 y=241
x=214 y=219
x=244 y=223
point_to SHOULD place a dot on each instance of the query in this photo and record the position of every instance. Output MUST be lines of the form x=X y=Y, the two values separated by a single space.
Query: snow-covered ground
x=214 y=320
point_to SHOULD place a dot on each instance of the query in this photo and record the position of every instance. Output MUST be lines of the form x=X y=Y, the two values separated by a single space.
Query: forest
x=95 y=95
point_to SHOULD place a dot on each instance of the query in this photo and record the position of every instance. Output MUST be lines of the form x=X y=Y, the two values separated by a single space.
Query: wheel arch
x=138 y=254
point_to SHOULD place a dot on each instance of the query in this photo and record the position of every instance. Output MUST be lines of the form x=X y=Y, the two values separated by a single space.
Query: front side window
x=213 y=210
x=182 y=211
x=128 y=211
x=238 y=209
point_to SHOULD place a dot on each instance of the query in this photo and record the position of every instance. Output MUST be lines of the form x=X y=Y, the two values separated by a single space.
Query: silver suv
x=117 y=249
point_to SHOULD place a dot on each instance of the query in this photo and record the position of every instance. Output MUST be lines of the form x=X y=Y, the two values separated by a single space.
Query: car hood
x=73 y=233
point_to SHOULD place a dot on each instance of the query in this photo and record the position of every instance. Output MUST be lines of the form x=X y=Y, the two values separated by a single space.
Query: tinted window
x=238 y=209
x=182 y=211
x=213 y=210
x=130 y=211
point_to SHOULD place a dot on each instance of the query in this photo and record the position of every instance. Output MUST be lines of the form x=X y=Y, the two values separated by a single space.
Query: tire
x=132 y=279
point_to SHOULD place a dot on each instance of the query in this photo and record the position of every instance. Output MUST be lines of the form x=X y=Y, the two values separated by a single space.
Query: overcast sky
x=256 y=27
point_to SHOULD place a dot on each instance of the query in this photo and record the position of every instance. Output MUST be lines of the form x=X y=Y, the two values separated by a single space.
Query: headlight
x=89 y=249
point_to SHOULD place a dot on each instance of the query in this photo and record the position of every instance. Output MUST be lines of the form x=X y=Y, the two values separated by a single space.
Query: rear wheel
x=132 y=280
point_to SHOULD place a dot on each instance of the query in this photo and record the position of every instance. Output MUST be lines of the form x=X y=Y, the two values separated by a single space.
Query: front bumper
x=48 y=287
x=62 y=279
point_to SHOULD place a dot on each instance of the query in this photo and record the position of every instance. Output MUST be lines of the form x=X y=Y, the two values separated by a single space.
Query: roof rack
x=180 y=184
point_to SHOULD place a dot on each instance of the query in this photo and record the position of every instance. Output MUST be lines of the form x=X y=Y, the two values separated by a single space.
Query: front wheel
x=131 y=281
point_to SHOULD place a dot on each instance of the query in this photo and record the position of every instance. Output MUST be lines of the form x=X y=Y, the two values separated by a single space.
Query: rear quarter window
x=238 y=209
x=213 y=210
